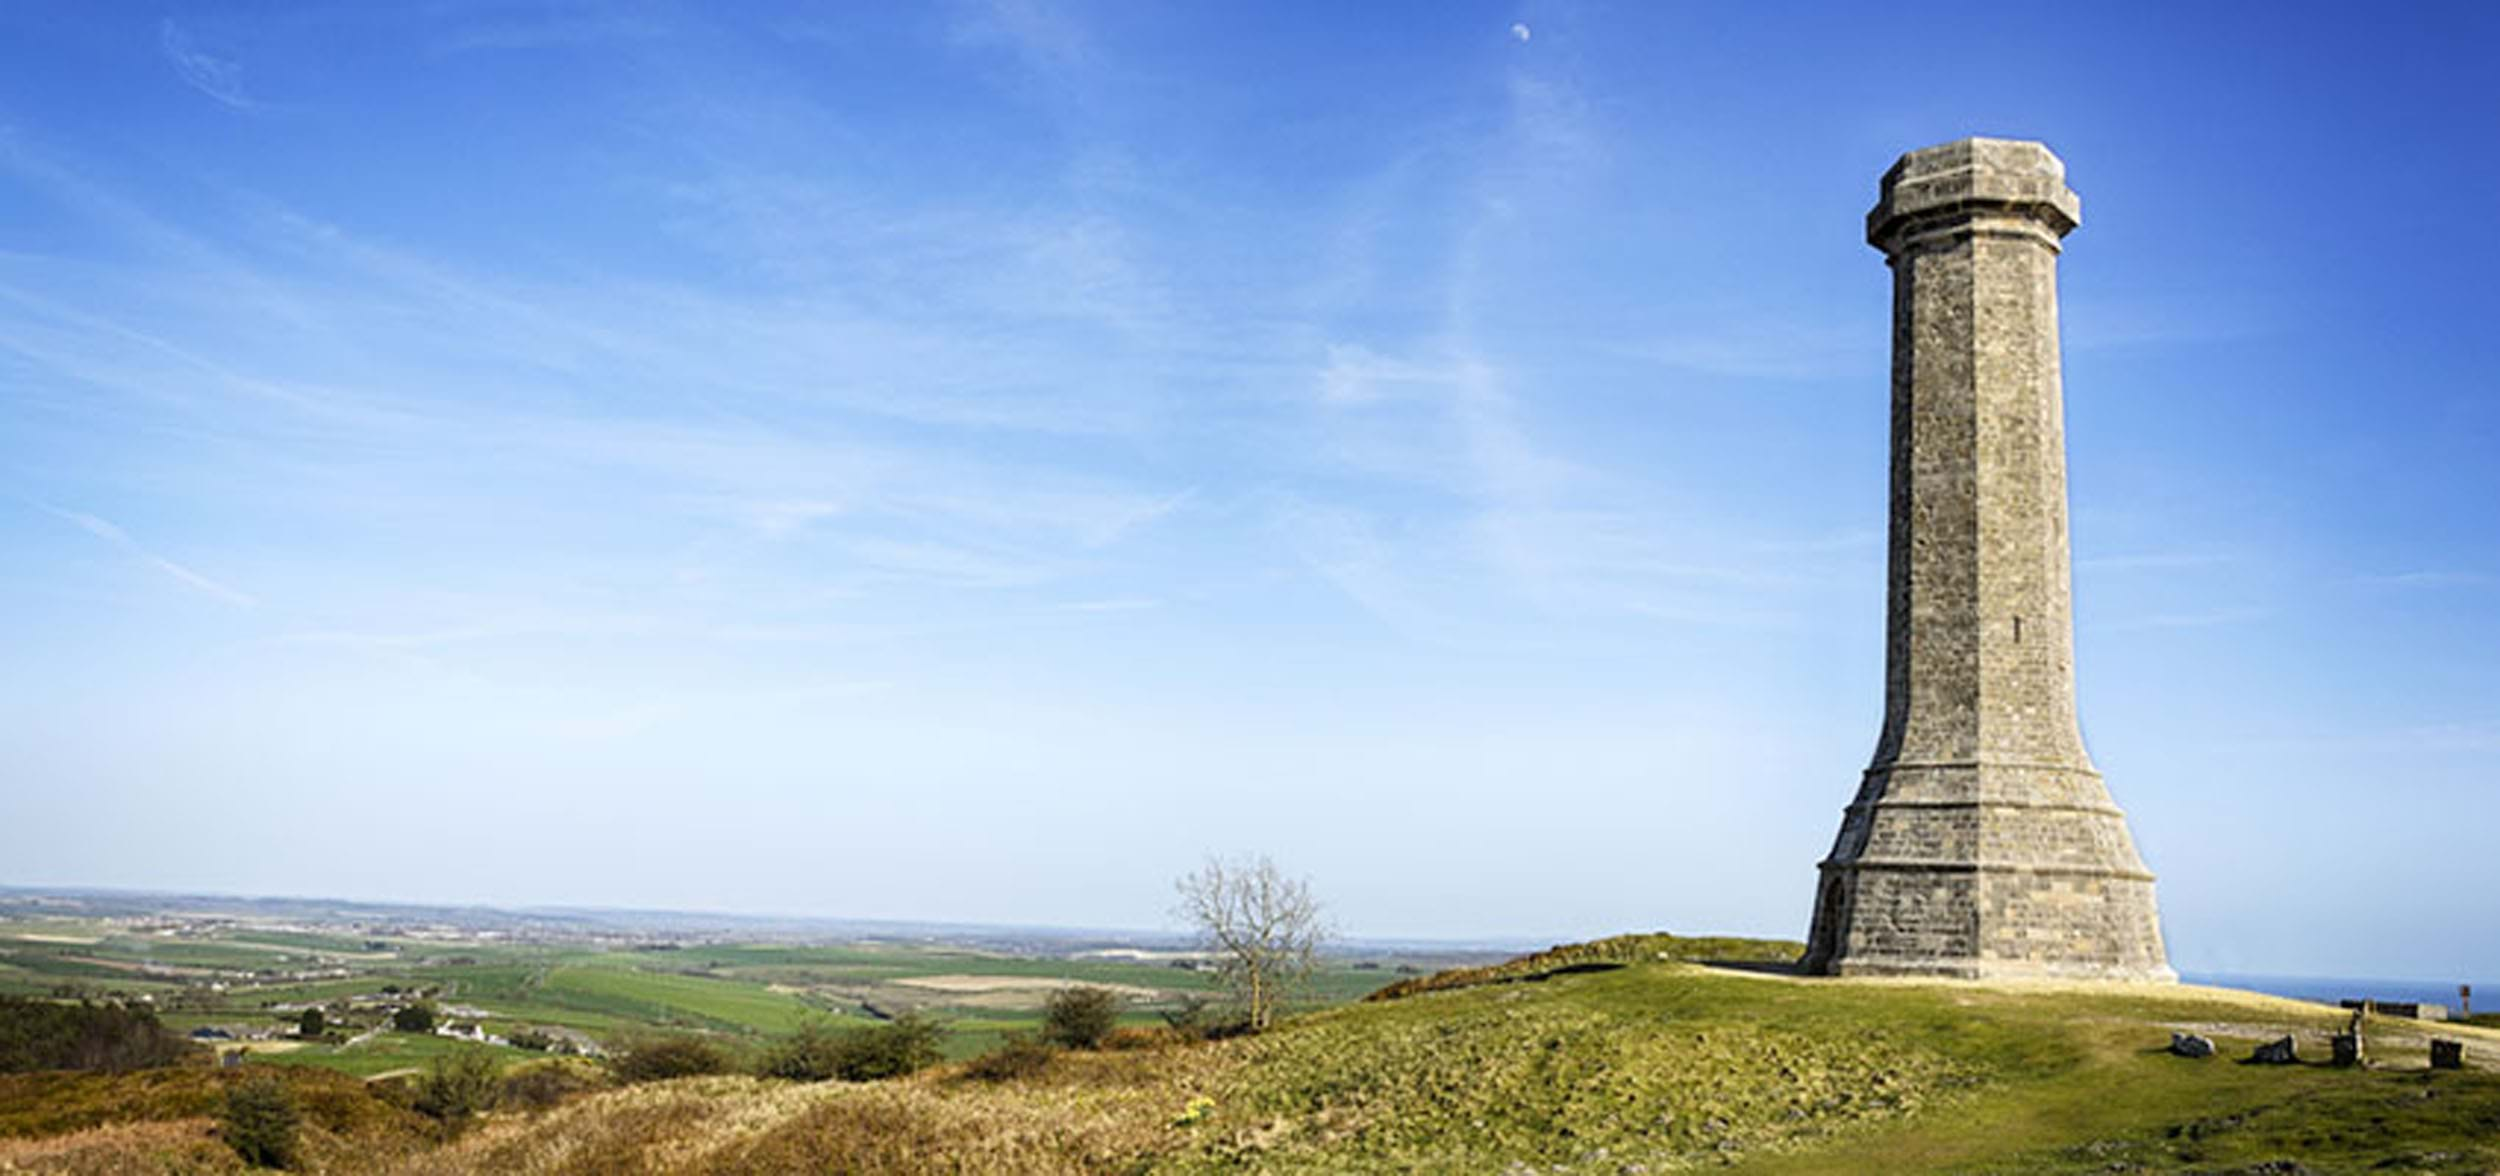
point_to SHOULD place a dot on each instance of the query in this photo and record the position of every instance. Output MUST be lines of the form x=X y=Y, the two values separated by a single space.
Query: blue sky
x=969 y=461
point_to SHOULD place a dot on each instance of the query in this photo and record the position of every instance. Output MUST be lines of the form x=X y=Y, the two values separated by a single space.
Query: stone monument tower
x=1982 y=843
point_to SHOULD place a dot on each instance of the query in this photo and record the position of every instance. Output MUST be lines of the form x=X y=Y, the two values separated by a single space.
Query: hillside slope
x=1641 y=1068
x=1572 y=1061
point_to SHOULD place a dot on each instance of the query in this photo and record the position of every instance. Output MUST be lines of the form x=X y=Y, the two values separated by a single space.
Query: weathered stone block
x=2190 y=1045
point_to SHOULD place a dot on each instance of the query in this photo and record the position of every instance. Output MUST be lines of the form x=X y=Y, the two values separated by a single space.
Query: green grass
x=1670 y=1065
x=64 y=963
x=315 y=941
x=662 y=999
x=256 y=995
x=1600 y=954
x=195 y=953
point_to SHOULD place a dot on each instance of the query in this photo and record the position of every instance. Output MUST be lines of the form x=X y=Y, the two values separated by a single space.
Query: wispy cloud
x=1357 y=375
x=2433 y=578
x=219 y=78
x=741 y=464
x=1346 y=549
x=948 y=564
x=1476 y=509
x=105 y=530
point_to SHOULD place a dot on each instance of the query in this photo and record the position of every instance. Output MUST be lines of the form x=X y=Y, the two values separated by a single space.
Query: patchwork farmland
x=244 y=983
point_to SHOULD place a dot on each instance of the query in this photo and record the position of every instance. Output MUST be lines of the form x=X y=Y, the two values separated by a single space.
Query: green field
x=248 y=979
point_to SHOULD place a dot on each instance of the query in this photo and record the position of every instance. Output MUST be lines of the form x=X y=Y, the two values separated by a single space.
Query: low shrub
x=812 y=1054
x=1187 y=1016
x=1194 y=1019
x=898 y=1047
x=541 y=1085
x=1080 y=1017
x=261 y=1122
x=1019 y=1056
x=48 y=1035
x=457 y=1086
x=414 y=1018
x=1138 y=1037
x=817 y=1052
x=663 y=1058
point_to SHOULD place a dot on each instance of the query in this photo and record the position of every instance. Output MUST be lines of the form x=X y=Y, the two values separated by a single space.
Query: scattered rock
x=2275 y=1053
x=2190 y=1045
x=2347 y=1048
x=2446 y=1054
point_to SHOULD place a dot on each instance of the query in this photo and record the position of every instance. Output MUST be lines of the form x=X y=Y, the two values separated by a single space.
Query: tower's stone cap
x=2015 y=177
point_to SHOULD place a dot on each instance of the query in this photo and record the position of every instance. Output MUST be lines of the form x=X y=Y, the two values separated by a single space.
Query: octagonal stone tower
x=1982 y=843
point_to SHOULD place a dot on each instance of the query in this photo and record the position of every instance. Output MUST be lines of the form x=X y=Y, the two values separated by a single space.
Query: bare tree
x=1263 y=928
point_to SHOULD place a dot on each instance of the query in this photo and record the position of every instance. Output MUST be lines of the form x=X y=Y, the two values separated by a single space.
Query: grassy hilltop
x=1596 y=1059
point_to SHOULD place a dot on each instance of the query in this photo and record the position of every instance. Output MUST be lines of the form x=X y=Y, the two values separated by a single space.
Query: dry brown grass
x=174 y=1145
x=151 y=1120
x=178 y=1147
x=1088 y=1112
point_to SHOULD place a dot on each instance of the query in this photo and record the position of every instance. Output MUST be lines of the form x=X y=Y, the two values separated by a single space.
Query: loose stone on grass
x=2191 y=1045
x=2275 y=1053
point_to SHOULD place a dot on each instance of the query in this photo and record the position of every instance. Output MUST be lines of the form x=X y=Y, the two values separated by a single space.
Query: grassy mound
x=1598 y=955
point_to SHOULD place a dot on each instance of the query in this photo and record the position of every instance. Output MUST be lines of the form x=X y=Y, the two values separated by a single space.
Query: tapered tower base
x=1986 y=872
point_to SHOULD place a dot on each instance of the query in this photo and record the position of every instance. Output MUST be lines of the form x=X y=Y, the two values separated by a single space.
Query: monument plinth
x=1982 y=843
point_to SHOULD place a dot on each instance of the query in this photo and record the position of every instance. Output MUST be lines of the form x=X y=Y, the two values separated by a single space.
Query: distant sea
x=2330 y=990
